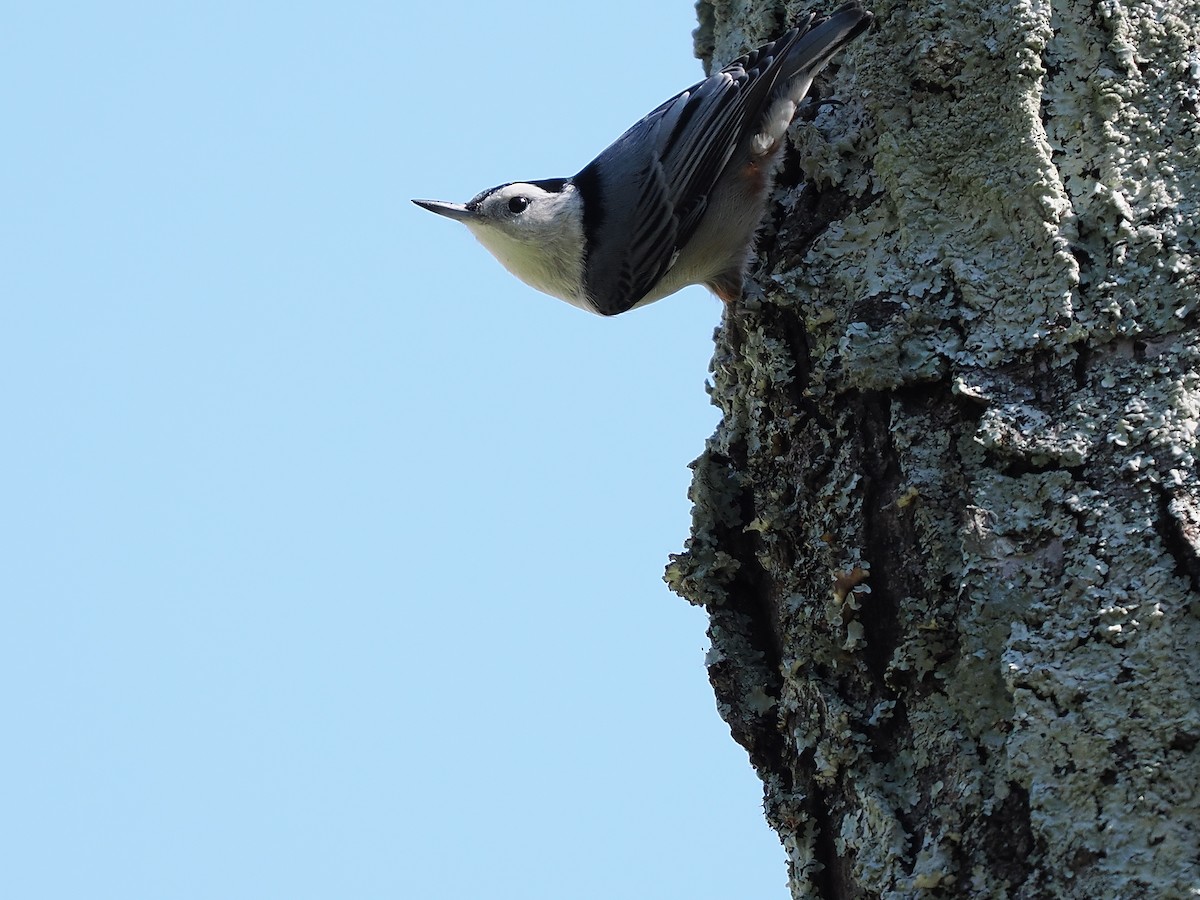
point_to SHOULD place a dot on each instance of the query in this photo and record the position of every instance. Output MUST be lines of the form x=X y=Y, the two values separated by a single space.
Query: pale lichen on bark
x=948 y=531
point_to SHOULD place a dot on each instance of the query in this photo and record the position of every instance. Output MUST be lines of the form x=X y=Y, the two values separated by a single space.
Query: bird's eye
x=518 y=205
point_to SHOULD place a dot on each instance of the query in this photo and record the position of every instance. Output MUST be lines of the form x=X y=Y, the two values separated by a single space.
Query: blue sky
x=331 y=553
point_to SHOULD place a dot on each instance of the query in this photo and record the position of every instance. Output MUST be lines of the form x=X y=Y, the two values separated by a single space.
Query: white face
x=522 y=210
x=536 y=231
x=534 y=228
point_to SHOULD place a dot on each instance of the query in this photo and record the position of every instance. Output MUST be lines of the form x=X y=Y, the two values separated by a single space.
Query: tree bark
x=948 y=531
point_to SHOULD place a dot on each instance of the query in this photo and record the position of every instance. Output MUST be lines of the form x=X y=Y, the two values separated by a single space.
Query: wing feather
x=662 y=168
x=647 y=193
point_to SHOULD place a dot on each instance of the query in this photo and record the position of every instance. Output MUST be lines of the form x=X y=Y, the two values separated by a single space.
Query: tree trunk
x=948 y=531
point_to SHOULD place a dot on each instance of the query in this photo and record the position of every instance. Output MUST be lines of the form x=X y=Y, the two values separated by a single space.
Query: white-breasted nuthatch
x=677 y=199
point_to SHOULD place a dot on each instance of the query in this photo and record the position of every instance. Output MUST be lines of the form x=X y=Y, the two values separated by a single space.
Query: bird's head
x=535 y=229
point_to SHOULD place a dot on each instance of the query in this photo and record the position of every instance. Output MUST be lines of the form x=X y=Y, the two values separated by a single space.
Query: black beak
x=454 y=211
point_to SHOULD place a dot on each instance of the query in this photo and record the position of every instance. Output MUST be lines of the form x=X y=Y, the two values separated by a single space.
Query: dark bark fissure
x=889 y=544
x=1006 y=837
x=749 y=612
x=835 y=881
x=1180 y=534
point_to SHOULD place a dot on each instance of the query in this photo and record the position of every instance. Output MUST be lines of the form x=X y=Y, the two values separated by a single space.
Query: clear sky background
x=331 y=554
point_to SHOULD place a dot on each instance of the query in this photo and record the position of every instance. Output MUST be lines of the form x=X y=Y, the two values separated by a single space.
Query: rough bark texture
x=948 y=531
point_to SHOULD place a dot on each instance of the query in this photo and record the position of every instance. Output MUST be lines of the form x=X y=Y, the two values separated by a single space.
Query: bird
x=675 y=200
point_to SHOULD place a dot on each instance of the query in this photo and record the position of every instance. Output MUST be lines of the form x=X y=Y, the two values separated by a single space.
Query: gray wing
x=645 y=194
